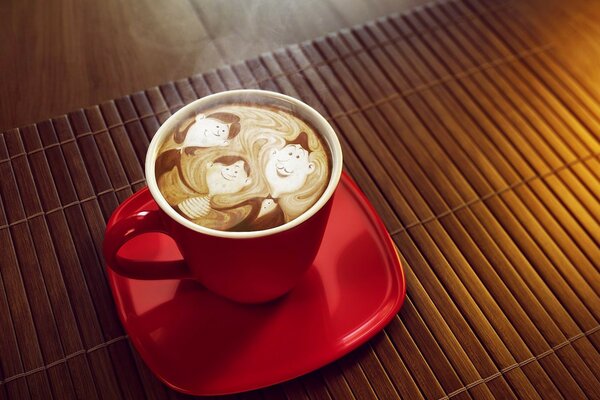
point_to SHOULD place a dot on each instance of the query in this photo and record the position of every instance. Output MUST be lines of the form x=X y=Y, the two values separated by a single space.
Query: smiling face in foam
x=288 y=169
x=207 y=132
x=261 y=166
x=226 y=179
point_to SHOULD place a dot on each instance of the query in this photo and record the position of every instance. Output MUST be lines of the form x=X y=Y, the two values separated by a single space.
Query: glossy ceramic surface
x=201 y=344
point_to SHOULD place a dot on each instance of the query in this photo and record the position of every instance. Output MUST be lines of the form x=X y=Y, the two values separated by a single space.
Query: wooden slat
x=60 y=223
x=60 y=300
x=591 y=247
x=15 y=284
x=574 y=184
x=12 y=363
x=121 y=357
x=508 y=31
x=85 y=238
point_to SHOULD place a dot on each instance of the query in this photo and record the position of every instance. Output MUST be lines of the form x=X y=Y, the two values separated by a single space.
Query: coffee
x=242 y=167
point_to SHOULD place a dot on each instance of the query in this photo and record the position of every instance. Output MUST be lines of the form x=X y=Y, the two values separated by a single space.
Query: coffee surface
x=242 y=167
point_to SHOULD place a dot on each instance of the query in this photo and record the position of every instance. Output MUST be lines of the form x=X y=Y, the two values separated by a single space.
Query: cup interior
x=258 y=97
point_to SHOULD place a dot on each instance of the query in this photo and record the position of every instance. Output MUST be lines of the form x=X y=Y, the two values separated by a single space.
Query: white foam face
x=207 y=132
x=226 y=179
x=288 y=169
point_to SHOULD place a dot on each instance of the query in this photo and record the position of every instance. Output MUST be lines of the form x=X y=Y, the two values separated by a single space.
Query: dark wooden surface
x=59 y=55
x=473 y=127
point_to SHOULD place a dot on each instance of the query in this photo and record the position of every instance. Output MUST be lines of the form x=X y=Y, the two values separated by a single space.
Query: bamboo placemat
x=478 y=148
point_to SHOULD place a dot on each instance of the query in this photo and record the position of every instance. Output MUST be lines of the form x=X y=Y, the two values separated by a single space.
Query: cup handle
x=129 y=227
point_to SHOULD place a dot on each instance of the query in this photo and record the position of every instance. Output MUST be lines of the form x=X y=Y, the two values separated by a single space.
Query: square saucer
x=201 y=344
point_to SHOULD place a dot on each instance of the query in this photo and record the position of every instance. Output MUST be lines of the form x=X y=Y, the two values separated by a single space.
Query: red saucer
x=201 y=344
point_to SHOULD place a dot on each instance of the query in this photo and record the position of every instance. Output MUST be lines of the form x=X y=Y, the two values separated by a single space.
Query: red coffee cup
x=249 y=267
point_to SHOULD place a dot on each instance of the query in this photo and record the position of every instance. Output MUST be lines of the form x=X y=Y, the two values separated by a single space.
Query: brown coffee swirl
x=243 y=167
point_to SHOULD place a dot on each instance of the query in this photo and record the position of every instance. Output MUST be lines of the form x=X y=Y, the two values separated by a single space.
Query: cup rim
x=322 y=125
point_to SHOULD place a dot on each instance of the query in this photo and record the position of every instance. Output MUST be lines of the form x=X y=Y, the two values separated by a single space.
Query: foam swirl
x=243 y=167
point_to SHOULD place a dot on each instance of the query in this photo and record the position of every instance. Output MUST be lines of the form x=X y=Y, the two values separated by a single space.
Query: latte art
x=242 y=167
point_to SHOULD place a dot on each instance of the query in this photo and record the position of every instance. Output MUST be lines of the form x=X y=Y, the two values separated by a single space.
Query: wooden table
x=61 y=55
x=472 y=126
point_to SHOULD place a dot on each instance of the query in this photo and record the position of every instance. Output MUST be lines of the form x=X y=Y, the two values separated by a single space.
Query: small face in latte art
x=208 y=131
x=266 y=207
x=243 y=167
x=226 y=179
x=288 y=169
x=227 y=175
